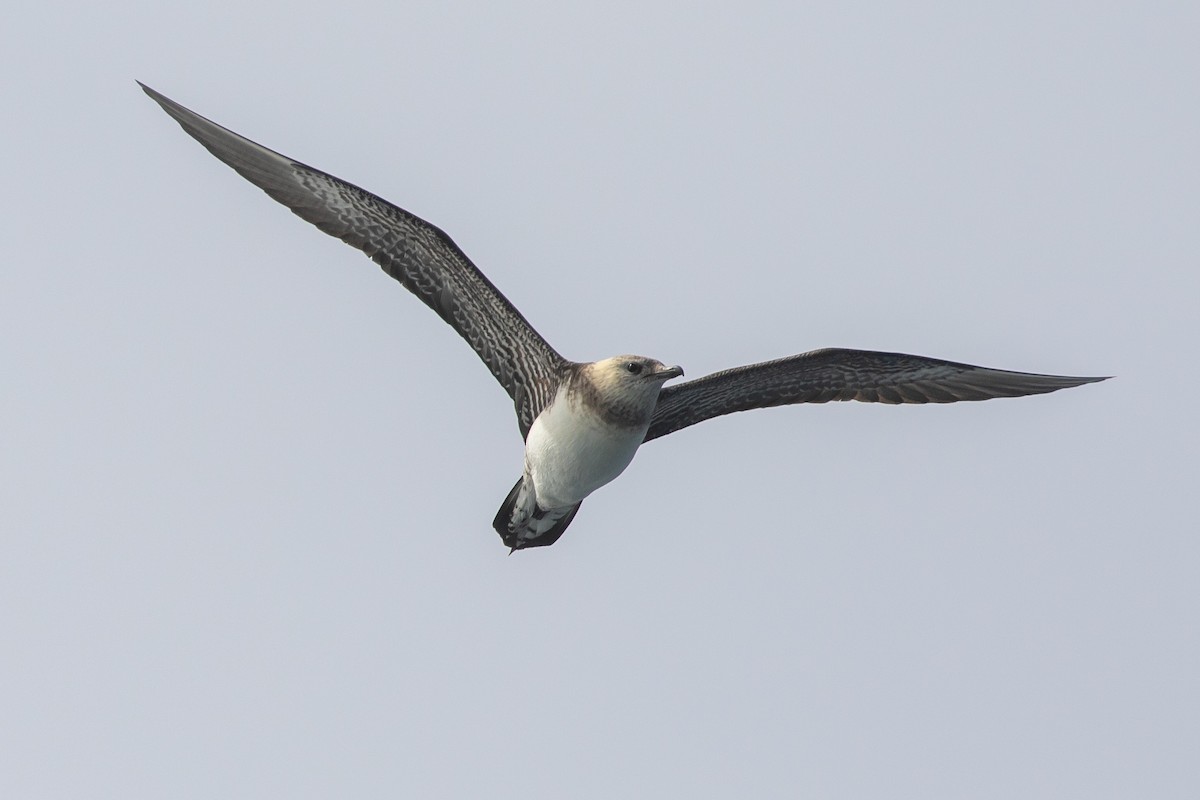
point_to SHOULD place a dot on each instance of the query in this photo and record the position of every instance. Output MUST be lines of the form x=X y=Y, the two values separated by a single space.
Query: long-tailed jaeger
x=582 y=422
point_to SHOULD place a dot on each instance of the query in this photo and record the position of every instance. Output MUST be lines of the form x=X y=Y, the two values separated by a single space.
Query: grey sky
x=247 y=480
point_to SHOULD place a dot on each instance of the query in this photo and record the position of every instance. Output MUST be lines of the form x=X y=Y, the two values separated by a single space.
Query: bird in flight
x=582 y=422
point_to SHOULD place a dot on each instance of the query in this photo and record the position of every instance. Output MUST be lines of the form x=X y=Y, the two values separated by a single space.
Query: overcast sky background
x=247 y=480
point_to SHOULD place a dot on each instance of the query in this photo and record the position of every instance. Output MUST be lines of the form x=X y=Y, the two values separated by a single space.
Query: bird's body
x=583 y=439
x=571 y=451
x=582 y=421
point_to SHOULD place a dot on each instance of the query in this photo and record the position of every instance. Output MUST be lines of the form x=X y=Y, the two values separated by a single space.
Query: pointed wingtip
x=157 y=97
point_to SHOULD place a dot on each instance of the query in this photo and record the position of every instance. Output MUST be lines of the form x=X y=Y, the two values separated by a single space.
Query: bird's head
x=630 y=372
x=627 y=386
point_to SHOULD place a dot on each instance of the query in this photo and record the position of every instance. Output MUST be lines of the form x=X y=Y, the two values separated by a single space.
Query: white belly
x=570 y=454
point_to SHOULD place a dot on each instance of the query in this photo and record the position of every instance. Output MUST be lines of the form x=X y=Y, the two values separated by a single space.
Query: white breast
x=570 y=453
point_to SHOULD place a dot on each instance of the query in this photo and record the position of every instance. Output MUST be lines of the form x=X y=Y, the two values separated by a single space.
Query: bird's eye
x=633 y=368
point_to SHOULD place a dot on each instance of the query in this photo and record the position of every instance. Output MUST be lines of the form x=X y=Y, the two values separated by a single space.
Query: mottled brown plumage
x=839 y=374
x=582 y=421
x=419 y=255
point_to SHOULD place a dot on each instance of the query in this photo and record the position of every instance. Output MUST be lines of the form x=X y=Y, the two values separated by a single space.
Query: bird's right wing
x=839 y=374
x=417 y=254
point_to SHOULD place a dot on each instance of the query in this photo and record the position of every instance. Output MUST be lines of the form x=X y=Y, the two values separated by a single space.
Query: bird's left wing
x=417 y=254
x=839 y=374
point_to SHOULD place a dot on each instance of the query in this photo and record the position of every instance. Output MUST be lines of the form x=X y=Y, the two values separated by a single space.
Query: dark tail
x=512 y=540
